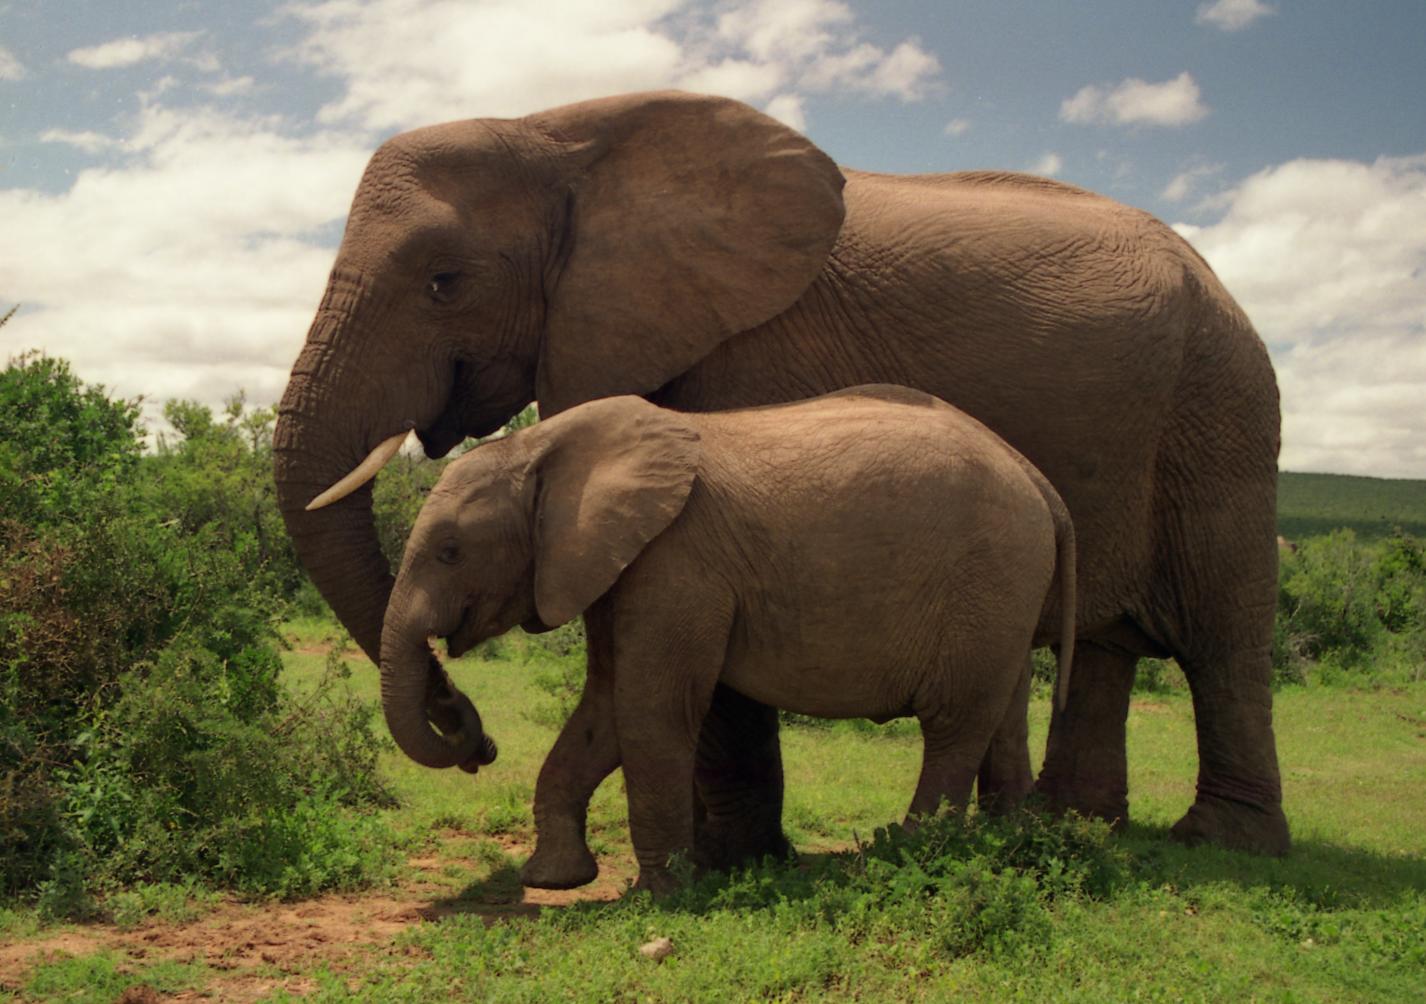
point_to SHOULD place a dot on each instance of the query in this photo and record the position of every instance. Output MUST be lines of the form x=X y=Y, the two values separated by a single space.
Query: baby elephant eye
x=442 y=286
x=449 y=554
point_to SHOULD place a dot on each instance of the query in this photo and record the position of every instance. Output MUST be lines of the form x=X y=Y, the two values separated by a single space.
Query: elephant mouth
x=448 y=430
x=465 y=636
x=456 y=422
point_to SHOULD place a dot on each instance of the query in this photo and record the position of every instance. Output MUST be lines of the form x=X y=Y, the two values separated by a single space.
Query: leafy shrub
x=955 y=886
x=216 y=478
x=144 y=734
x=1350 y=609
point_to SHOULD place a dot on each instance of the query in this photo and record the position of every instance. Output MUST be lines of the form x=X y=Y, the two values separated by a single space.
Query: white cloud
x=191 y=267
x=508 y=57
x=189 y=264
x=230 y=87
x=1329 y=259
x=128 y=51
x=88 y=141
x=787 y=109
x=1174 y=102
x=1049 y=165
x=1183 y=184
x=957 y=127
x=1232 y=15
x=785 y=30
x=10 y=67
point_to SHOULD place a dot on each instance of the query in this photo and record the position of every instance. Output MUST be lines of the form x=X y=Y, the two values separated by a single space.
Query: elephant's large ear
x=609 y=476
x=693 y=218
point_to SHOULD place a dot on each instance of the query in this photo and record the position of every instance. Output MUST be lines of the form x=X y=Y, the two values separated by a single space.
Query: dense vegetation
x=144 y=732
x=158 y=738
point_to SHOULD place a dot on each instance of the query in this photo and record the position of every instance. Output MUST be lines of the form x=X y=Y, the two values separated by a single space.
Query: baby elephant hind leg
x=663 y=687
x=1005 y=778
x=955 y=744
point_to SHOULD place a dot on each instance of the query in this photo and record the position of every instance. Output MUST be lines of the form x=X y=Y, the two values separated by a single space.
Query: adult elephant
x=694 y=251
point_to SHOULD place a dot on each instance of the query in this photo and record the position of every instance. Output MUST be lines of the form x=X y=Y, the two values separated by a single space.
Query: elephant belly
x=822 y=688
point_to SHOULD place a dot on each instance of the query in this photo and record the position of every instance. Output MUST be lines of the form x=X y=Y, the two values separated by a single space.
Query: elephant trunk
x=332 y=415
x=313 y=450
x=411 y=683
x=337 y=546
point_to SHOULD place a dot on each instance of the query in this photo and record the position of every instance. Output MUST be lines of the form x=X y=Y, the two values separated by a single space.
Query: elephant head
x=591 y=250
x=530 y=529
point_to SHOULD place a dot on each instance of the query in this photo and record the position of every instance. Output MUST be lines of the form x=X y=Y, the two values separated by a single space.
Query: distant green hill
x=1311 y=504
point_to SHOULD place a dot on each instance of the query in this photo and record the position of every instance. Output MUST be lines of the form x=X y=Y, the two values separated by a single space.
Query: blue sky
x=173 y=178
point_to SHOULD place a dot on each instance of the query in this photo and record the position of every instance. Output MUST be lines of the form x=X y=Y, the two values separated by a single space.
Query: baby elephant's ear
x=611 y=475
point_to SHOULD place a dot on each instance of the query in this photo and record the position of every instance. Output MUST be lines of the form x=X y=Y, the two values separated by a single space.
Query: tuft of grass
x=103 y=978
x=165 y=902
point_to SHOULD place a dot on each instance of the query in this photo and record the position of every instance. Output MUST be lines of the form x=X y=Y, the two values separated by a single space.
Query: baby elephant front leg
x=586 y=752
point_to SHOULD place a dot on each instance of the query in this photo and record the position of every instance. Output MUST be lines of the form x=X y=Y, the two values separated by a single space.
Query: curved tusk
x=364 y=472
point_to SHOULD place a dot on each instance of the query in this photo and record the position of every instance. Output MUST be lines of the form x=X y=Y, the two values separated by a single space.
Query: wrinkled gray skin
x=695 y=252
x=873 y=552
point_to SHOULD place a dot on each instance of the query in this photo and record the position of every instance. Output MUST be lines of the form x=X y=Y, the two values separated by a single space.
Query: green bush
x=958 y=884
x=144 y=735
x=1351 y=610
x=215 y=478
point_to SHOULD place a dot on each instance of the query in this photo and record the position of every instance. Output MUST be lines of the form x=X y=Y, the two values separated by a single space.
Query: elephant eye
x=442 y=286
x=449 y=554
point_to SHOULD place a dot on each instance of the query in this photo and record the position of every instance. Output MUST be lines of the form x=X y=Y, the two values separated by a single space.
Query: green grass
x=102 y=978
x=1000 y=915
x=1339 y=919
x=1312 y=504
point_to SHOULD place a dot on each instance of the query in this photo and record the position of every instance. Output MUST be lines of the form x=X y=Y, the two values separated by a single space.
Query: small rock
x=658 y=949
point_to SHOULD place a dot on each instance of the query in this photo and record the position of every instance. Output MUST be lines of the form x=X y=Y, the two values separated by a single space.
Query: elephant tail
x=1065 y=572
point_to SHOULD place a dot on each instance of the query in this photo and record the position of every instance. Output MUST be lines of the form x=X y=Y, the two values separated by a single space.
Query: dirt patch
x=253 y=949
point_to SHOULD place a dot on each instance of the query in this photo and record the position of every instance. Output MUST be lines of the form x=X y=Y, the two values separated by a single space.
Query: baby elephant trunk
x=432 y=722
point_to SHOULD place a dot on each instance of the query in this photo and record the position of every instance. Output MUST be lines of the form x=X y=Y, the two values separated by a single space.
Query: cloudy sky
x=174 y=177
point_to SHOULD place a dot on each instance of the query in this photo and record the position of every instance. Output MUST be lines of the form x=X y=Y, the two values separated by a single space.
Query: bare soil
x=253 y=949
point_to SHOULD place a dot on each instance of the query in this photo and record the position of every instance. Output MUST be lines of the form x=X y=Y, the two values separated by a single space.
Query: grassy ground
x=1340 y=919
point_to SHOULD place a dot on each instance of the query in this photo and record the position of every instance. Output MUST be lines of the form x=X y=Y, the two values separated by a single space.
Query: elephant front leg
x=585 y=753
x=738 y=784
x=662 y=691
x=1085 y=766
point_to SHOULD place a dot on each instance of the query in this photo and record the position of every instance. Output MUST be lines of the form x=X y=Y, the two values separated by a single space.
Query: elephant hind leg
x=1225 y=597
x=954 y=747
x=958 y=731
x=738 y=784
x=1085 y=767
x=1004 y=778
x=1227 y=659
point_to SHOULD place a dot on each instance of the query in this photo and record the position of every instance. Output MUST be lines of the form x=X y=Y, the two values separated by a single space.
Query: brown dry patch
x=1150 y=707
x=253 y=949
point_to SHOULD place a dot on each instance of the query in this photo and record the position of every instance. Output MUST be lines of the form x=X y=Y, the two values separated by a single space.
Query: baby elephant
x=871 y=553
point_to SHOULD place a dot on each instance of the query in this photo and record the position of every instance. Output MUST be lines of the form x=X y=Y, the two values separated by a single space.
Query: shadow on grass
x=498 y=895
x=1320 y=872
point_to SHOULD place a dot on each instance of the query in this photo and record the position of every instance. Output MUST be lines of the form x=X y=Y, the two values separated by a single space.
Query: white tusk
x=365 y=471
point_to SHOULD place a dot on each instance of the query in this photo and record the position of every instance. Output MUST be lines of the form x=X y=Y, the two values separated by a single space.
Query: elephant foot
x=552 y=870
x=1002 y=796
x=660 y=882
x=1235 y=825
x=1108 y=802
x=723 y=847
